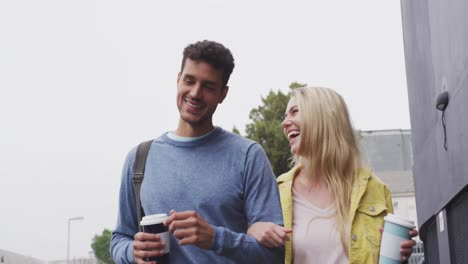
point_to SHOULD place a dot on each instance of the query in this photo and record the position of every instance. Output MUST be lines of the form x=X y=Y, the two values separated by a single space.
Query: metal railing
x=418 y=254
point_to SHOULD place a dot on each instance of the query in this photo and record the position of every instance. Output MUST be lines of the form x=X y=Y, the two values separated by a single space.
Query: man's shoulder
x=236 y=138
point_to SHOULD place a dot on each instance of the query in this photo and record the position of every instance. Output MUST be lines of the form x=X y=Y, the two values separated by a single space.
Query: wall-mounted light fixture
x=442 y=101
x=441 y=104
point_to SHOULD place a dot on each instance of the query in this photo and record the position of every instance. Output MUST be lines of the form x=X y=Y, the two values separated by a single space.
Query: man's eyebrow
x=187 y=75
x=209 y=82
x=190 y=76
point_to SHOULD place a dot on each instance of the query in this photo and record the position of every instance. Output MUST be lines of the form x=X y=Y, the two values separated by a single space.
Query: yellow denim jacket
x=370 y=202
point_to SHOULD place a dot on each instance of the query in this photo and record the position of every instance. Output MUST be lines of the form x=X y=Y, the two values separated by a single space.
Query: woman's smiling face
x=292 y=125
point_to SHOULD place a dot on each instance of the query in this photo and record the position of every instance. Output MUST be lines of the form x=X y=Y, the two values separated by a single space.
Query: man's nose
x=196 y=91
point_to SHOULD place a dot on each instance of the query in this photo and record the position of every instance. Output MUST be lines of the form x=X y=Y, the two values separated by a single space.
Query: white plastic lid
x=153 y=219
x=399 y=221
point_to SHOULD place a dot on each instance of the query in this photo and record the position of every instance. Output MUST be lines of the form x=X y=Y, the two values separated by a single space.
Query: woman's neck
x=312 y=177
x=313 y=187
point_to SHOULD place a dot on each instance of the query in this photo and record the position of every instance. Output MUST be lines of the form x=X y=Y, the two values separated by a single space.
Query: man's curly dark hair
x=213 y=53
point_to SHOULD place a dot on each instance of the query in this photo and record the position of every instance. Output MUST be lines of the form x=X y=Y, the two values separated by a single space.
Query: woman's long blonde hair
x=329 y=146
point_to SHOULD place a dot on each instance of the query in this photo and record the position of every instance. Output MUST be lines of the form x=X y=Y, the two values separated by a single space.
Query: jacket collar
x=285 y=184
x=288 y=176
x=285 y=188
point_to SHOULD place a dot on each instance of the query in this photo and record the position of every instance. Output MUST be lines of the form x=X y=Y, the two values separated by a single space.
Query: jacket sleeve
x=261 y=203
x=121 y=245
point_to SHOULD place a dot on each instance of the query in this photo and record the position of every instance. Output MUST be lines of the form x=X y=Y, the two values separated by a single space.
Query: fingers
x=413 y=233
x=407 y=246
x=404 y=259
x=201 y=236
x=269 y=234
x=406 y=249
x=182 y=220
x=270 y=237
x=179 y=216
x=282 y=233
x=190 y=228
x=175 y=216
x=185 y=223
x=141 y=236
x=186 y=233
x=140 y=261
x=141 y=255
x=276 y=240
x=190 y=240
x=269 y=243
x=147 y=245
x=406 y=252
x=188 y=236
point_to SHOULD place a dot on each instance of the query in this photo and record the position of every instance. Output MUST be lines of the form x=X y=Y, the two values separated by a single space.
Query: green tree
x=295 y=85
x=235 y=130
x=266 y=128
x=101 y=245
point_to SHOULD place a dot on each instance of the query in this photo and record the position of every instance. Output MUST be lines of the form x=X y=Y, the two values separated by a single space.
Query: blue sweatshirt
x=224 y=177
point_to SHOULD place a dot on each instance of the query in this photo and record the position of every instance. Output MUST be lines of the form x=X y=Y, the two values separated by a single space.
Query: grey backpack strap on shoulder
x=138 y=173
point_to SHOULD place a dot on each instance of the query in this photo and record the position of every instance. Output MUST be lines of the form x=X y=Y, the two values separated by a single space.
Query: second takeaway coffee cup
x=154 y=224
x=395 y=231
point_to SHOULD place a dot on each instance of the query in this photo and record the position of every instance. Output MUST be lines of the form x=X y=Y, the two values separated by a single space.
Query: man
x=214 y=183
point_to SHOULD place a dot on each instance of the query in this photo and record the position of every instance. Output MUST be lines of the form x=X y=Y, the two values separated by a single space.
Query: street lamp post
x=68 y=236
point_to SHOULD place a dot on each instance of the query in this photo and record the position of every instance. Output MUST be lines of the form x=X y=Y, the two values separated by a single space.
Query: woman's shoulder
x=367 y=175
x=373 y=185
x=374 y=181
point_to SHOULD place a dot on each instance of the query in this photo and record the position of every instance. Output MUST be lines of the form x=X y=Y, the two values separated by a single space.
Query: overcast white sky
x=82 y=82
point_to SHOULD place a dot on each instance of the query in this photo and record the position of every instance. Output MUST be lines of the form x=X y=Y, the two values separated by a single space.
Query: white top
x=314 y=237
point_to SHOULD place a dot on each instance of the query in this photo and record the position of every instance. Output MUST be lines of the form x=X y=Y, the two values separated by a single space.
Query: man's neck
x=186 y=130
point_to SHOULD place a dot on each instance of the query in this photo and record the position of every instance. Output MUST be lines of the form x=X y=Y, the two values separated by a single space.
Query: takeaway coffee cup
x=154 y=224
x=395 y=231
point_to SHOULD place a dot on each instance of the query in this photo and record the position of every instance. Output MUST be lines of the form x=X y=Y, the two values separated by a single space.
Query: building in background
x=389 y=154
x=436 y=54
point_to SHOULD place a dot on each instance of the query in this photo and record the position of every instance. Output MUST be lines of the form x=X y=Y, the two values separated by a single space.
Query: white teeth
x=193 y=105
x=293 y=133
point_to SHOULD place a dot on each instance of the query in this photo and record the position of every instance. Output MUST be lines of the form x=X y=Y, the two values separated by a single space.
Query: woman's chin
x=293 y=150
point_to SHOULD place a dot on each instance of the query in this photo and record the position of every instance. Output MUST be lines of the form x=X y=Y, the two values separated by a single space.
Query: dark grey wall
x=436 y=53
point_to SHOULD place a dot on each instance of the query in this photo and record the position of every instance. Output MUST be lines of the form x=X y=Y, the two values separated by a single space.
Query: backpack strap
x=138 y=173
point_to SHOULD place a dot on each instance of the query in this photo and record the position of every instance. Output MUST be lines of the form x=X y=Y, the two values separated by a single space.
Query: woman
x=334 y=208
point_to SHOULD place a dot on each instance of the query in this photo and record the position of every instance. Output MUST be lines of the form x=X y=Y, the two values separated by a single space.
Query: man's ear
x=178 y=77
x=224 y=93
